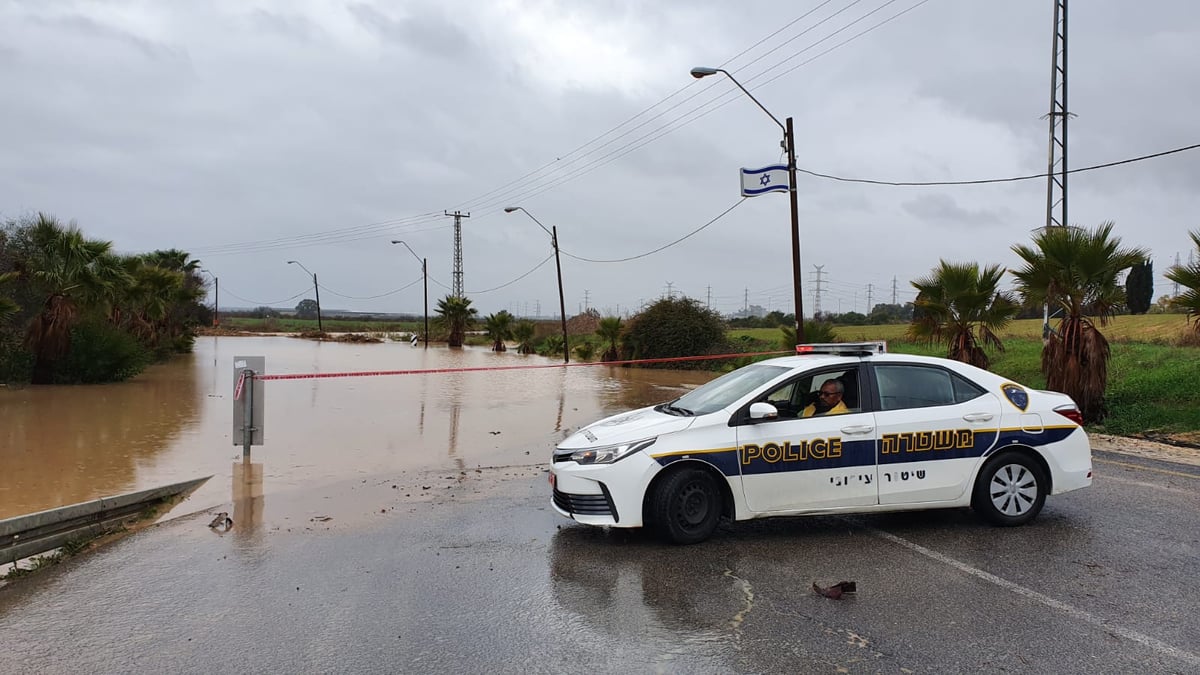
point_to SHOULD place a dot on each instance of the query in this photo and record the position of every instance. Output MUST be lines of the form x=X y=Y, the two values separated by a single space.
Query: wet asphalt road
x=485 y=577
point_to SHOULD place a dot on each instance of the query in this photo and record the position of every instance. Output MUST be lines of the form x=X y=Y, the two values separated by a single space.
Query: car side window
x=964 y=389
x=792 y=397
x=904 y=386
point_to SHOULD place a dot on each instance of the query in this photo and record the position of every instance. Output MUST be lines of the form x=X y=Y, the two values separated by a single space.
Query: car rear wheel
x=1010 y=490
x=686 y=506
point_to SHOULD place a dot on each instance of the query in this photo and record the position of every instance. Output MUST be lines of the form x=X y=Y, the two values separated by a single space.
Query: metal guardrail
x=36 y=533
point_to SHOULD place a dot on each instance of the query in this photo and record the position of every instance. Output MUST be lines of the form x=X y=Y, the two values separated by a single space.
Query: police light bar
x=844 y=348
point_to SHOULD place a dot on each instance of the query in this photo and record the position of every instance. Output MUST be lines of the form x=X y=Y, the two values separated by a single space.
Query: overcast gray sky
x=253 y=132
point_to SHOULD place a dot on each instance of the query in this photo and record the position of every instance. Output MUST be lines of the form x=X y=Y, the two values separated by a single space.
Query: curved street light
x=216 y=297
x=316 y=291
x=789 y=143
x=562 y=308
x=425 y=276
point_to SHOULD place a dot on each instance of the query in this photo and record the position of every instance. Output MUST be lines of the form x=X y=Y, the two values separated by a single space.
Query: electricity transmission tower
x=817 y=292
x=457 y=282
x=1056 y=168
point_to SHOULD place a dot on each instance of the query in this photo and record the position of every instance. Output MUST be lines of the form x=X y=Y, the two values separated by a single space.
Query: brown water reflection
x=61 y=445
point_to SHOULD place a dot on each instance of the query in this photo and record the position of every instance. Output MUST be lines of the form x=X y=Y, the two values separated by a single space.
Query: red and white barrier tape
x=372 y=373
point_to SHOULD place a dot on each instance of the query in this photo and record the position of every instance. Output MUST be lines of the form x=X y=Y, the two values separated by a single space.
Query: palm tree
x=553 y=344
x=184 y=308
x=7 y=306
x=1189 y=277
x=961 y=306
x=152 y=297
x=499 y=327
x=71 y=273
x=523 y=333
x=609 y=330
x=456 y=316
x=1077 y=270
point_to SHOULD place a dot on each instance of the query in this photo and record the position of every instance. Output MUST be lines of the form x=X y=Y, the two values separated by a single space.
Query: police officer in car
x=829 y=400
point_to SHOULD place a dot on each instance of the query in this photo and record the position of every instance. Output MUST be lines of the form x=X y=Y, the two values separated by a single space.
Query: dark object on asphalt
x=836 y=591
x=222 y=521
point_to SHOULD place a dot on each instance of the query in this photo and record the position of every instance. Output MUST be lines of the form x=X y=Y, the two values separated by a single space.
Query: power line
x=665 y=246
x=371 y=297
x=266 y=304
x=558 y=164
x=987 y=181
x=540 y=185
x=496 y=288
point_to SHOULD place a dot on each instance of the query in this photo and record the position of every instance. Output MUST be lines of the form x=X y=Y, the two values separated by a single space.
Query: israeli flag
x=772 y=178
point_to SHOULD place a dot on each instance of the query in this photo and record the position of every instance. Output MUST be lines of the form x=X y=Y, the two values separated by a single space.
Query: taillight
x=1070 y=412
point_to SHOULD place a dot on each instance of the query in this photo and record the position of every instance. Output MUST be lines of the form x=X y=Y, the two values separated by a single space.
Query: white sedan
x=839 y=428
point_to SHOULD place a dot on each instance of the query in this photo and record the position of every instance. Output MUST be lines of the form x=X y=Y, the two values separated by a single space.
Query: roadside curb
x=1140 y=447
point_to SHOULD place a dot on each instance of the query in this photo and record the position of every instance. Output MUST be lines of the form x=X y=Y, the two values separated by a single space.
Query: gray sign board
x=255 y=391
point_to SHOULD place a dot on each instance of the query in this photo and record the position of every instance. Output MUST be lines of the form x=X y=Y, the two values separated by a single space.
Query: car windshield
x=724 y=390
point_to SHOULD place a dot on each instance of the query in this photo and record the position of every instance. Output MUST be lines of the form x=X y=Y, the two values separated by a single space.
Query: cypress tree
x=1139 y=287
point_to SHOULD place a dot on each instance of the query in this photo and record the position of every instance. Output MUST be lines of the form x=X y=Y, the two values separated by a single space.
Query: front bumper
x=603 y=494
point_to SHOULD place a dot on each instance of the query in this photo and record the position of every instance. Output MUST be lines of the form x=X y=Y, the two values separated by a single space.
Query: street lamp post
x=216 y=297
x=425 y=276
x=789 y=142
x=562 y=308
x=316 y=291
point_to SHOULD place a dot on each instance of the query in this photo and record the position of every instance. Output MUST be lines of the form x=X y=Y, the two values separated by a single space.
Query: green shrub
x=101 y=352
x=584 y=351
x=184 y=344
x=16 y=362
x=815 y=332
x=674 y=327
x=553 y=344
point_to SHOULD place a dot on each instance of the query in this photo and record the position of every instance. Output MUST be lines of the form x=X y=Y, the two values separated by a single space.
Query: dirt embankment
x=1143 y=447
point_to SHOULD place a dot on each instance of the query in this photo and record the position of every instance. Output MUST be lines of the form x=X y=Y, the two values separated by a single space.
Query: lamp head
x=510 y=209
x=292 y=262
x=397 y=241
x=701 y=71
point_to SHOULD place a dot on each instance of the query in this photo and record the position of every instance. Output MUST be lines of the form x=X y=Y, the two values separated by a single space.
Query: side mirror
x=763 y=411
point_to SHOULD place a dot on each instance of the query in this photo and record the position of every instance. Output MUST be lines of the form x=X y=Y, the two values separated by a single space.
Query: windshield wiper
x=676 y=410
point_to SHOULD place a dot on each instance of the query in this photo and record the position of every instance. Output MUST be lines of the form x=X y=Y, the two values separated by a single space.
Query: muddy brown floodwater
x=63 y=445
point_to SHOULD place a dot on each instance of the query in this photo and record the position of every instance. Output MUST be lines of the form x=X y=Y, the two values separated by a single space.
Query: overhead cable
x=665 y=246
x=987 y=181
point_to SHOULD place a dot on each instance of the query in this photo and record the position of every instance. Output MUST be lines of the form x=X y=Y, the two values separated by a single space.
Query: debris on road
x=836 y=591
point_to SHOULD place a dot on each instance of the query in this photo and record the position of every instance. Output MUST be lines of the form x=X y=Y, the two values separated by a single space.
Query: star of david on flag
x=772 y=178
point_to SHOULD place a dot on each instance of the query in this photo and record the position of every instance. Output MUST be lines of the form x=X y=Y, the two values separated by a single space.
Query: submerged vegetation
x=74 y=311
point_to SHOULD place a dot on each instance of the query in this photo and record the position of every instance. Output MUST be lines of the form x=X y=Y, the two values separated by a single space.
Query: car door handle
x=856 y=429
x=978 y=417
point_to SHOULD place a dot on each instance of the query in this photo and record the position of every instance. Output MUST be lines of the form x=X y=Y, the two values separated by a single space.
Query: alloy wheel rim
x=1013 y=489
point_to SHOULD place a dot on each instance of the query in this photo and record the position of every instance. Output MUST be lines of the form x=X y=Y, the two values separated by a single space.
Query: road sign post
x=248 y=402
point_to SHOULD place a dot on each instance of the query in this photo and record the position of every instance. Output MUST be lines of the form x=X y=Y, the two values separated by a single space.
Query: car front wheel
x=686 y=506
x=1010 y=490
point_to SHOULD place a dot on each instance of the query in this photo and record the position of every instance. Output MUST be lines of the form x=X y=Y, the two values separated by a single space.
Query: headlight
x=610 y=453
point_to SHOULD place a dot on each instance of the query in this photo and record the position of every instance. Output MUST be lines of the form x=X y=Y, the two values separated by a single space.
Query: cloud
x=328 y=128
x=944 y=210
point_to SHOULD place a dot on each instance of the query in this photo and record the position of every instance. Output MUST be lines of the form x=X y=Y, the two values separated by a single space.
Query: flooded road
x=63 y=445
x=481 y=576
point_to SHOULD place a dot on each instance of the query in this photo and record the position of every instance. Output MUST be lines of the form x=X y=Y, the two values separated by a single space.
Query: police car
x=907 y=432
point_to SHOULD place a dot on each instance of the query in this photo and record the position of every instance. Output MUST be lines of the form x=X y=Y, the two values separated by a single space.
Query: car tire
x=686 y=506
x=1010 y=490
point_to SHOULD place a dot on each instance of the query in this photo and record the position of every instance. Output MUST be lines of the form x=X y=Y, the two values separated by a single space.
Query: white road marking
x=1074 y=612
